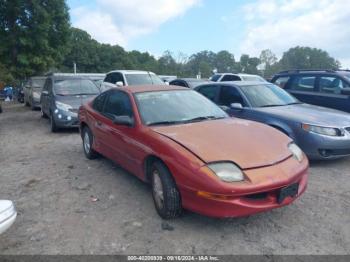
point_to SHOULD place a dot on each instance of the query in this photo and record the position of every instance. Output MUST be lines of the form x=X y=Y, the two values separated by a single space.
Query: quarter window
x=118 y=104
x=303 y=83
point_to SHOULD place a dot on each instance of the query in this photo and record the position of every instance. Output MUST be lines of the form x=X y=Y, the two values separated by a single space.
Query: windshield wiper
x=272 y=105
x=202 y=118
x=294 y=103
x=164 y=123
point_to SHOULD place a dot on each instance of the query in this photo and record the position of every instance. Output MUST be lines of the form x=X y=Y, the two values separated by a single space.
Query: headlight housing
x=326 y=131
x=63 y=106
x=227 y=171
x=296 y=151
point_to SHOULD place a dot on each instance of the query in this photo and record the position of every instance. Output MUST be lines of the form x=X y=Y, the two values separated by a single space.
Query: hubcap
x=158 y=189
x=87 y=142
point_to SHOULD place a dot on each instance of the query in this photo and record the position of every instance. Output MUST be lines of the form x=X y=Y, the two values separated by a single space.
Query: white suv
x=226 y=77
x=128 y=78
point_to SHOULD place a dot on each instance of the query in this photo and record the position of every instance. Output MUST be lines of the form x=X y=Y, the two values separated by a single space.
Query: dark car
x=322 y=133
x=61 y=97
x=32 y=91
x=189 y=82
x=326 y=88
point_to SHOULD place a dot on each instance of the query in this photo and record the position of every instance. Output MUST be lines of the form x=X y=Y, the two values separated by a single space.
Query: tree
x=248 y=64
x=307 y=58
x=33 y=35
x=269 y=59
x=225 y=62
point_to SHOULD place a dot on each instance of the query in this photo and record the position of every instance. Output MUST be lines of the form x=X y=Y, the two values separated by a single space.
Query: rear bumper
x=257 y=199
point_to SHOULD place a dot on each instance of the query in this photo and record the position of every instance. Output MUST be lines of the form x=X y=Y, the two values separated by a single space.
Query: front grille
x=258 y=196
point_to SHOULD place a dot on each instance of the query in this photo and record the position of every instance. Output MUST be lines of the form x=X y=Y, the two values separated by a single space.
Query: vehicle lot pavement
x=54 y=188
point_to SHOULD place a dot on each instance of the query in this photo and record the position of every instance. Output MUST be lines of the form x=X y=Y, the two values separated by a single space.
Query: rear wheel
x=166 y=196
x=87 y=136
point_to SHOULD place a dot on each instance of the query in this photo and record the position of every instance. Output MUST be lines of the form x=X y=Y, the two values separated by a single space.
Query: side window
x=209 y=92
x=227 y=78
x=118 y=104
x=99 y=102
x=179 y=83
x=119 y=78
x=303 y=83
x=49 y=85
x=230 y=95
x=107 y=78
x=331 y=84
x=46 y=85
x=282 y=81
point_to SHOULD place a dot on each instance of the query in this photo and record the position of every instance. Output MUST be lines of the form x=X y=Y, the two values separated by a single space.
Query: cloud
x=118 y=21
x=281 y=24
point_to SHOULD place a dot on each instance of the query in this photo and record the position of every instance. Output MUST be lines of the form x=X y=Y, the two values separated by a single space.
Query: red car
x=193 y=154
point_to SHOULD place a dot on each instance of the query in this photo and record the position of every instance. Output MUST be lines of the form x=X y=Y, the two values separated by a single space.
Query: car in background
x=228 y=77
x=61 y=97
x=130 y=78
x=8 y=215
x=328 y=88
x=32 y=91
x=167 y=79
x=97 y=78
x=189 y=82
x=322 y=133
x=193 y=155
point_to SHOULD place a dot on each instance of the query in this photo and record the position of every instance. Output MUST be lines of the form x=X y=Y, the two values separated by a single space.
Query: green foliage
x=33 y=35
x=36 y=37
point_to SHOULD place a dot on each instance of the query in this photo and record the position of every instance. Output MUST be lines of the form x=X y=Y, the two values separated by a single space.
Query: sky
x=241 y=27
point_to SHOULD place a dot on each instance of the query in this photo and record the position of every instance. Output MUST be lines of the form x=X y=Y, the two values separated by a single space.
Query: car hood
x=246 y=143
x=75 y=101
x=310 y=114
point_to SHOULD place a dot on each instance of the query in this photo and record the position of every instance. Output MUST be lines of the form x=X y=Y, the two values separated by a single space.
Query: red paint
x=259 y=150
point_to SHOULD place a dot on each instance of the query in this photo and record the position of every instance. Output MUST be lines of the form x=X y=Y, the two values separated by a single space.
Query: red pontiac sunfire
x=192 y=153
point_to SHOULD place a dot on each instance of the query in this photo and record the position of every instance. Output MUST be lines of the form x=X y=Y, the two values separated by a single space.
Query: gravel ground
x=55 y=187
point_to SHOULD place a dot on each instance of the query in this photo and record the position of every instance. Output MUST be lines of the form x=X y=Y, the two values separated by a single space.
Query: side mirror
x=45 y=92
x=123 y=120
x=236 y=106
x=345 y=91
x=119 y=83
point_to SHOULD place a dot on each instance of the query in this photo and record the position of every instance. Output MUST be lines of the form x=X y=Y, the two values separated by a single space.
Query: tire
x=166 y=197
x=53 y=126
x=88 y=139
x=26 y=103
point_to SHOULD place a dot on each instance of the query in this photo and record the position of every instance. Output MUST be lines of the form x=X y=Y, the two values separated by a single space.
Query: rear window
x=303 y=83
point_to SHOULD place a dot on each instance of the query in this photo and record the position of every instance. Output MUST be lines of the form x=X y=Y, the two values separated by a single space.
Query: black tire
x=171 y=206
x=26 y=104
x=89 y=152
x=53 y=126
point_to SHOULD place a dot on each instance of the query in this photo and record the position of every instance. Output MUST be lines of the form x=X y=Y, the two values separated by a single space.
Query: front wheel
x=87 y=136
x=166 y=196
x=53 y=126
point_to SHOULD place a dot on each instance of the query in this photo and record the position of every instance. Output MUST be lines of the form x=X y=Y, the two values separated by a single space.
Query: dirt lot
x=53 y=186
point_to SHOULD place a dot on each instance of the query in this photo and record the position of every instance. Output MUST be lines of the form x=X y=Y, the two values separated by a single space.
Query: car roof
x=149 y=88
x=239 y=83
x=192 y=79
x=131 y=72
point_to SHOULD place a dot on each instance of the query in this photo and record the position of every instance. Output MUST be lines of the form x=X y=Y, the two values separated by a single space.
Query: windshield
x=70 y=87
x=38 y=83
x=176 y=106
x=143 y=79
x=253 y=78
x=267 y=95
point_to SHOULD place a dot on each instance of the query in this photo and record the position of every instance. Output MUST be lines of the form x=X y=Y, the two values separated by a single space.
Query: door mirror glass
x=45 y=92
x=119 y=83
x=225 y=108
x=236 y=106
x=123 y=120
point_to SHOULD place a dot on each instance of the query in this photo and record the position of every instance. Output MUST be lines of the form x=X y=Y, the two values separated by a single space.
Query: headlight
x=227 y=171
x=63 y=106
x=326 y=131
x=36 y=95
x=296 y=151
